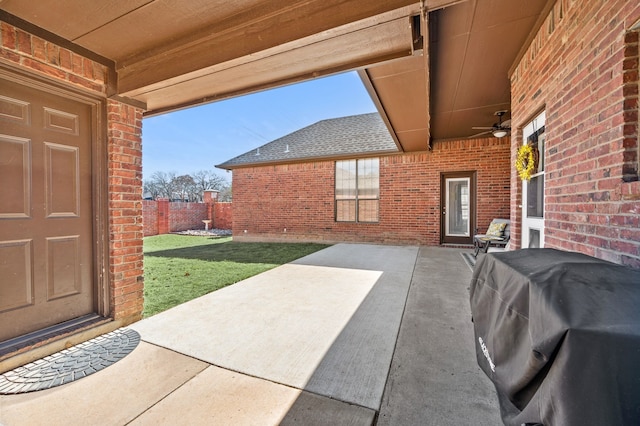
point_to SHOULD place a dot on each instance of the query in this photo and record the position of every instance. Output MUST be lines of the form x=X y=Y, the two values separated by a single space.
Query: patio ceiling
x=177 y=53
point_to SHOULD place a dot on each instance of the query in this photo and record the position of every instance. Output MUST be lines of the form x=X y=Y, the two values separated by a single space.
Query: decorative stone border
x=70 y=364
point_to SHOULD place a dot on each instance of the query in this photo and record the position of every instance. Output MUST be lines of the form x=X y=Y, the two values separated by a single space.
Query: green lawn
x=178 y=268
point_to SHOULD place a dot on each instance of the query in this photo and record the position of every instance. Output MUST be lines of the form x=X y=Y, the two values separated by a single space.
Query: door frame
x=99 y=176
x=471 y=175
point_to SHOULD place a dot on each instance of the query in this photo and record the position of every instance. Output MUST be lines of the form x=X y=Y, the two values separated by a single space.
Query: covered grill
x=558 y=333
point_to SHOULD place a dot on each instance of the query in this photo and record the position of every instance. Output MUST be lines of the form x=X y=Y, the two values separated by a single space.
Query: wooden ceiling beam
x=171 y=106
x=243 y=35
x=325 y=57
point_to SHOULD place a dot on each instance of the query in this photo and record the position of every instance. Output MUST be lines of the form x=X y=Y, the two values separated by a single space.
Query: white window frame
x=532 y=223
x=358 y=197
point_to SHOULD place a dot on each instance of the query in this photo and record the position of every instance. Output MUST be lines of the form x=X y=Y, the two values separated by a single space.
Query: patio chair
x=497 y=236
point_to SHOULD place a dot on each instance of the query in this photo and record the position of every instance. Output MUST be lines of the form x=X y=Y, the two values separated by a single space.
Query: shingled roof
x=337 y=137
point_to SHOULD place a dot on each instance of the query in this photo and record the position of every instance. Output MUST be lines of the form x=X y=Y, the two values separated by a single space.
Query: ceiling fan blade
x=506 y=123
x=482 y=128
x=479 y=134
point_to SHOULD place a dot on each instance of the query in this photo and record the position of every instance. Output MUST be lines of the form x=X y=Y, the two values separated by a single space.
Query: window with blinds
x=357 y=190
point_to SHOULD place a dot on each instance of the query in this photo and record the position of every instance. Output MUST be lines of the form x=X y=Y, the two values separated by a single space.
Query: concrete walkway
x=351 y=335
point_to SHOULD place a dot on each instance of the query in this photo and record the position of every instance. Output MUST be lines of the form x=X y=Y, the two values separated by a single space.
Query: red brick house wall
x=582 y=68
x=184 y=216
x=122 y=129
x=296 y=201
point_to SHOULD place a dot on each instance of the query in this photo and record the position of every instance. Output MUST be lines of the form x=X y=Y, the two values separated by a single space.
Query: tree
x=150 y=189
x=163 y=183
x=206 y=180
x=225 y=194
x=183 y=188
x=188 y=187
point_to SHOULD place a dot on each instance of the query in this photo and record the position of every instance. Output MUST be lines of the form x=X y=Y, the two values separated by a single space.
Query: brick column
x=163 y=216
x=210 y=197
x=124 y=130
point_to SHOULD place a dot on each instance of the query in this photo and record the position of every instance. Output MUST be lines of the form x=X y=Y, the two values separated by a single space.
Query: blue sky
x=199 y=138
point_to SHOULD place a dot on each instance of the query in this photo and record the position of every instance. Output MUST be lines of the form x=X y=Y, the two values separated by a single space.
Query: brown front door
x=457 y=205
x=46 y=232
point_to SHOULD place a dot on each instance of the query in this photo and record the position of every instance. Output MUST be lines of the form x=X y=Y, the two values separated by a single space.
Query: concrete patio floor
x=351 y=335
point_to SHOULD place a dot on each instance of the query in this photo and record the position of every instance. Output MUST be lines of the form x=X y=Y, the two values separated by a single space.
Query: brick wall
x=222 y=215
x=46 y=58
x=184 y=216
x=150 y=217
x=159 y=218
x=300 y=197
x=123 y=130
x=582 y=68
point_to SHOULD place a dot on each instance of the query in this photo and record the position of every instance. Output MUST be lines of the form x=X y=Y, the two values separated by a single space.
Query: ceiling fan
x=499 y=129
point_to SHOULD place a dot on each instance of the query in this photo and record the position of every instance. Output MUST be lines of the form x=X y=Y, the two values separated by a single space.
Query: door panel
x=457 y=192
x=63 y=267
x=15 y=167
x=61 y=180
x=46 y=228
x=16 y=264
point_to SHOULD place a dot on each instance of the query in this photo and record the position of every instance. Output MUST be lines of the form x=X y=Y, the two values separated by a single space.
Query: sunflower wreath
x=526 y=161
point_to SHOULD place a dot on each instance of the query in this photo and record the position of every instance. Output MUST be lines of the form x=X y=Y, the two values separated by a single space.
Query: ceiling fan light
x=499 y=133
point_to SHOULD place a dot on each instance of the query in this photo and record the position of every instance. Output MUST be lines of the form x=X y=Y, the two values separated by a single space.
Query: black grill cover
x=558 y=333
